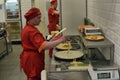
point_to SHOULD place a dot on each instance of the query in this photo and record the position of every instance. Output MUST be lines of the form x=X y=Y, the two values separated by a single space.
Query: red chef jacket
x=53 y=20
x=32 y=56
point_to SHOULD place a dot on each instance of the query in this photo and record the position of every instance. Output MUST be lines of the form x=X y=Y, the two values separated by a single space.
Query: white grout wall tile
x=106 y=15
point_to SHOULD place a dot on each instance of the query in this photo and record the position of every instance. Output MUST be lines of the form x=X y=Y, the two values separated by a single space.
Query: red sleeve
x=38 y=40
x=51 y=11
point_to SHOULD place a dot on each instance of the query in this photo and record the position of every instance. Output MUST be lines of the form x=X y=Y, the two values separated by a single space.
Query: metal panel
x=3 y=45
x=72 y=15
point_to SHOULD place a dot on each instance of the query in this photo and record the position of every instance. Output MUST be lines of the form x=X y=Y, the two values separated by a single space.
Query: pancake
x=64 y=46
x=94 y=37
x=68 y=54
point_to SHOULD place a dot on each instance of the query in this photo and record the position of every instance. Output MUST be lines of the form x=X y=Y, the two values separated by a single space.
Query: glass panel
x=15 y=29
x=13 y=19
x=12 y=9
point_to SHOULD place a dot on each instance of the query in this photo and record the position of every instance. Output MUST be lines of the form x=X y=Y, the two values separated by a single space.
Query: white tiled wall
x=106 y=15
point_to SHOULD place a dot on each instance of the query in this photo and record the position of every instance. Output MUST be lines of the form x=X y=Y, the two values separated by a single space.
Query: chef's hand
x=63 y=38
x=58 y=27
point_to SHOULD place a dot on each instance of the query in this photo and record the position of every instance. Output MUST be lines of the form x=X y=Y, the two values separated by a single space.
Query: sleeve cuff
x=42 y=46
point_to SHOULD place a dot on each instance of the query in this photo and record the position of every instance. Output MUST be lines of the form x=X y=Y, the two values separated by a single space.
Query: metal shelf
x=106 y=47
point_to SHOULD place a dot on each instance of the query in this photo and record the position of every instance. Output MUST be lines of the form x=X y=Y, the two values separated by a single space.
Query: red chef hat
x=33 y=12
x=53 y=1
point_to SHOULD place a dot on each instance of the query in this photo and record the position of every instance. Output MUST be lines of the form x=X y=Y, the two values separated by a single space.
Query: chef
x=34 y=44
x=53 y=18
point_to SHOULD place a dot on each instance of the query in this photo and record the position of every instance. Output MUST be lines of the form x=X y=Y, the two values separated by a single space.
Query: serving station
x=68 y=60
x=81 y=58
x=101 y=69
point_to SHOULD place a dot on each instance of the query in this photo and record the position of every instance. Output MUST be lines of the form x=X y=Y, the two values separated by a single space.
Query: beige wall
x=42 y=27
x=25 y=5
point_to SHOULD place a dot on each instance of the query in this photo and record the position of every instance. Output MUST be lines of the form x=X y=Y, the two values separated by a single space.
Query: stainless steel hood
x=72 y=15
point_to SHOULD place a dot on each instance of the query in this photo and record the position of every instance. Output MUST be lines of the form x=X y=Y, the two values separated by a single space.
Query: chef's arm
x=56 y=12
x=58 y=26
x=53 y=43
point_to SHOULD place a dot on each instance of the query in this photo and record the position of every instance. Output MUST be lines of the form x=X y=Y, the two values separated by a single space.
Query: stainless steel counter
x=58 y=71
x=96 y=44
x=106 y=47
x=69 y=75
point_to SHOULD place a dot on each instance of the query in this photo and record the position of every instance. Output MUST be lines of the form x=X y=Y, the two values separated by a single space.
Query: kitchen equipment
x=14 y=19
x=104 y=48
x=68 y=75
x=104 y=73
x=93 y=34
x=81 y=28
x=69 y=54
x=102 y=66
x=93 y=31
